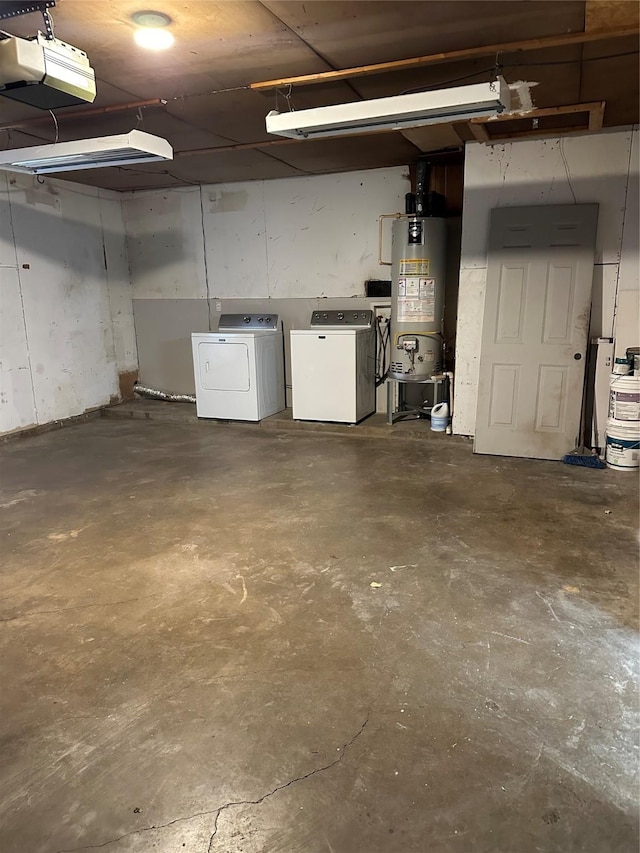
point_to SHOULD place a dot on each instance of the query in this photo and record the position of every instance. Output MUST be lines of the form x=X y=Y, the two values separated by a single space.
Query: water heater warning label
x=415 y=266
x=416 y=299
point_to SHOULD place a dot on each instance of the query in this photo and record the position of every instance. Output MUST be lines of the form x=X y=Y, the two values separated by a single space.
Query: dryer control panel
x=234 y=322
x=361 y=319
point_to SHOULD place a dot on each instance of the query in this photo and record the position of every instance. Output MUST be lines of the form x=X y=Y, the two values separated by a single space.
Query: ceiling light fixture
x=120 y=150
x=152 y=34
x=395 y=113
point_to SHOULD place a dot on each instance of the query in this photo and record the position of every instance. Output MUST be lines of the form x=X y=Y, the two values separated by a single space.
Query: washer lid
x=234 y=322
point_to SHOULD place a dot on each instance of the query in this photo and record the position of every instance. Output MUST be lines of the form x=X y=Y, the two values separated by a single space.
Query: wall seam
x=24 y=318
x=624 y=219
x=206 y=264
x=266 y=240
x=108 y=284
x=121 y=202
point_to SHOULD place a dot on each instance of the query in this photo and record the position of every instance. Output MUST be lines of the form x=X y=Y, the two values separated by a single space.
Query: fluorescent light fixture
x=395 y=113
x=134 y=147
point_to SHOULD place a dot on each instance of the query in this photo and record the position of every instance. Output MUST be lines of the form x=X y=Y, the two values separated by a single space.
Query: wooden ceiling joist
x=543 y=43
x=479 y=126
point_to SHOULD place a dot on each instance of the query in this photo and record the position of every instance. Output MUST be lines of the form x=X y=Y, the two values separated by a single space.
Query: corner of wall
x=554 y=170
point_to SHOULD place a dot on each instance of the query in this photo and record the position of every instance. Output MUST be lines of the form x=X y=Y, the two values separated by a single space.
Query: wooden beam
x=592 y=106
x=594 y=110
x=562 y=40
x=541 y=131
x=61 y=116
x=479 y=132
x=596 y=116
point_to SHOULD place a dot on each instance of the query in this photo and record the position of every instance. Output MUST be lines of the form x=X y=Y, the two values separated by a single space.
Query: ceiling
x=222 y=47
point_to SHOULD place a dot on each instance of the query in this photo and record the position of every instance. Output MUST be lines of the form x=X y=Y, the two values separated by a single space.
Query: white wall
x=627 y=321
x=279 y=245
x=590 y=168
x=296 y=237
x=66 y=320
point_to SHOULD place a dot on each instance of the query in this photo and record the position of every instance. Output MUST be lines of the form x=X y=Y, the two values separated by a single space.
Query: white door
x=534 y=337
x=224 y=366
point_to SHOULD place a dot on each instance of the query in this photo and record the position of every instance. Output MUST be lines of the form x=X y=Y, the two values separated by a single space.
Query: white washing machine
x=333 y=367
x=239 y=370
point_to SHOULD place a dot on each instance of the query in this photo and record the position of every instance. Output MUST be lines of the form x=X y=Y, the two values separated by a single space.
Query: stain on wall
x=66 y=319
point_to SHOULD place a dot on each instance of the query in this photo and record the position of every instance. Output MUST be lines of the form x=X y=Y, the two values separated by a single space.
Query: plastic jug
x=440 y=417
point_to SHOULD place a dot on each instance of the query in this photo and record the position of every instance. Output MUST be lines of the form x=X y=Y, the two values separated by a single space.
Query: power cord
x=55 y=121
x=383 y=333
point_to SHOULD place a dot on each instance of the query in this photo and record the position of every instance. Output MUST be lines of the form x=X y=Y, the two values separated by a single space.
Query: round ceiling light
x=153 y=39
x=148 y=18
x=152 y=34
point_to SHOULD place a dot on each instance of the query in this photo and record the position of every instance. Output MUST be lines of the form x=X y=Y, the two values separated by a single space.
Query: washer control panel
x=361 y=318
x=233 y=322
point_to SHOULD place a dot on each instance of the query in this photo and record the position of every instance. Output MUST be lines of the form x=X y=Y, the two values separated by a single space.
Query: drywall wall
x=296 y=237
x=627 y=315
x=66 y=318
x=165 y=243
x=574 y=169
x=286 y=246
x=164 y=327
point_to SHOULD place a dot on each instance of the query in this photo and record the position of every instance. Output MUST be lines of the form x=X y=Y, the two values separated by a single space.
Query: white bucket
x=440 y=417
x=623 y=445
x=624 y=402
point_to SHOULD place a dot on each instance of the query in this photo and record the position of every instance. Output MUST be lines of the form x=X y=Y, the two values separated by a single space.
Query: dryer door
x=224 y=366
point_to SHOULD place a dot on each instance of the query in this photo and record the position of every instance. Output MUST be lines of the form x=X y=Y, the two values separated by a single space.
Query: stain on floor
x=195 y=655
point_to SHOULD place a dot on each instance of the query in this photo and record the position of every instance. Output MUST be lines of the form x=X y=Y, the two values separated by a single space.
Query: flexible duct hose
x=155 y=394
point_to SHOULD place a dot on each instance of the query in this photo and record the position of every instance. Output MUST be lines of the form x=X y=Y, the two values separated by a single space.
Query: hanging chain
x=48 y=24
x=497 y=68
x=288 y=99
x=287 y=96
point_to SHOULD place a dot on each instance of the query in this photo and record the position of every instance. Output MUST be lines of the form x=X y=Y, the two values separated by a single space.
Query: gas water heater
x=418 y=263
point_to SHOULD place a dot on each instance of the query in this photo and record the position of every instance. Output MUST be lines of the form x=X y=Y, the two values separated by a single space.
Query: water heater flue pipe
x=423 y=180
x=155 y=394
x=380 y=218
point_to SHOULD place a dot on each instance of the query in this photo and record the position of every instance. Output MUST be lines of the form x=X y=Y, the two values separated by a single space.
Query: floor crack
x=285 y=785
x=218 y=811
x=66 y=609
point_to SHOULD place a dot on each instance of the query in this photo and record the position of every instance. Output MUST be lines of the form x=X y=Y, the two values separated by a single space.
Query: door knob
x=577 y=356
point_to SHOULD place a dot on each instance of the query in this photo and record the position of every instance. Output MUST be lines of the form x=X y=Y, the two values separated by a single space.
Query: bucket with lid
x=623 y=445
x=622 y=366
x=440 y=417
x=624 y=400
x=633 y=357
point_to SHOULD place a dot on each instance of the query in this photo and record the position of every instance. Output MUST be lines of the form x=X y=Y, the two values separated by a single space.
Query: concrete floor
x=374 y=426
x=193 y=656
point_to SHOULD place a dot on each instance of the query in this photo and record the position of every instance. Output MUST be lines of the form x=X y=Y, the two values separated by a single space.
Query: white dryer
x=239 y=370
x=333 y=367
